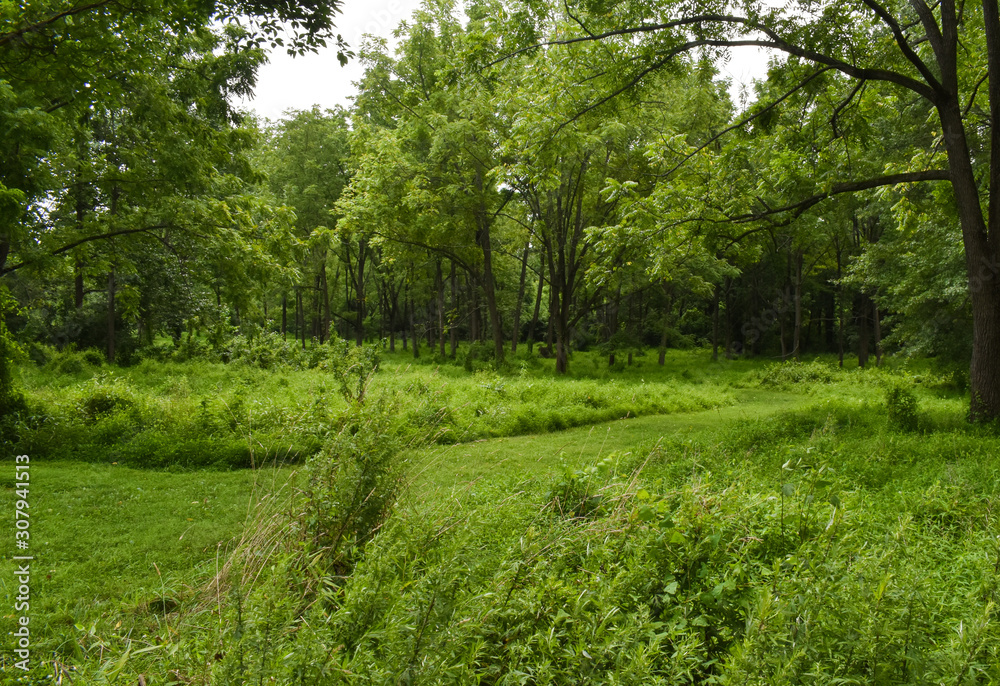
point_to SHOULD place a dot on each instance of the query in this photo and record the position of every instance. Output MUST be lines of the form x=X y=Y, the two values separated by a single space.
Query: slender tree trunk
x=78 y=285
x=284 y=316
x=452 y=316
x=324 y=332
x=413 y=330
x=302 y=316
x=715 y=322
x=797 y=336
x=406 y=314
x=359 y=289
x=111 y=317
x=729 y=317
x=538 y=303
x=317 y=309
x=439 y=276
x=429 y=327
x=840 y=311
x=474 y=335
x=877 y=325
x=489 y=288
x=550 y=334
x=520 y=301
x=864 y=329
x=611 y=325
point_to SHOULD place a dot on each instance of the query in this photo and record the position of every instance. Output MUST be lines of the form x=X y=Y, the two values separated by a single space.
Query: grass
x=116 y=547
x=754 y=524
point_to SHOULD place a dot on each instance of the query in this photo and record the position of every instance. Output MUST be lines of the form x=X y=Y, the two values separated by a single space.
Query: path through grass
x=442 y=468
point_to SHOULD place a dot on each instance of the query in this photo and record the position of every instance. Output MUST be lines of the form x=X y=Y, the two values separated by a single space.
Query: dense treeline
x=508 y=203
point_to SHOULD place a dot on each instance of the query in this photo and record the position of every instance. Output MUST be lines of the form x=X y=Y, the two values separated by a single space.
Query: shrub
x=11 y=399
x=479 y=357
x=104 y=397
x=785 y=374
x=353 y=484
x=93 y=357
x=901 y=407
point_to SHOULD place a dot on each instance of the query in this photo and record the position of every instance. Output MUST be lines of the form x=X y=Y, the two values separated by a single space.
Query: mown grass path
x=109 y=538
x=448 y=467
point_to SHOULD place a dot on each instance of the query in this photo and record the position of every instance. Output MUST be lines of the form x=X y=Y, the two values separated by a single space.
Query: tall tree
x=946 y=55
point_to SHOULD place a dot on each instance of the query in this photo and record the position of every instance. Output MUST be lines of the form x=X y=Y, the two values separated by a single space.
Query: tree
x=943 y=55
x=58 y=58
x=443 y=128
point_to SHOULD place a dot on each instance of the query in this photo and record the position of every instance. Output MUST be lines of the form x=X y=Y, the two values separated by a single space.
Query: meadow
x=739 y=521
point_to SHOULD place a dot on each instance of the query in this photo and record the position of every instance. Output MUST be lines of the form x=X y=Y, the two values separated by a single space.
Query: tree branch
x=38 y=26
x=904 y=46
x=800 y=207
x=776 y=42
x=88 y=239
x=747 y=120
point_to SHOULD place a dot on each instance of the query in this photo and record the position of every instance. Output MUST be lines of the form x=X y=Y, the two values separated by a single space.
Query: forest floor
x=123 y=551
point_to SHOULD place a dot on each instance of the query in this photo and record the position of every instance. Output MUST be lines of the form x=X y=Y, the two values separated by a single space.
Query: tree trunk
x=489 y=288
x=520 y=301
x=359 y=289
x=111 y=317
x=301 y=309
x=797 y=335
x=877 y=324
x=78 y=285
x=538 y=303
x=406 y=311
x=413 y=331
x=324 y=331
x=715 y=323
x=439 y=276
x=864 y=330
x=840 y=310
x=428 y=326
x=452 y=316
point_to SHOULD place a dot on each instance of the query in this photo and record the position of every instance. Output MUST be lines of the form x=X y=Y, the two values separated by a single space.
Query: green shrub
x=901 y=407
x=93 y=357
x=11 y=398
x=786 y=374
x=352 y=483
x=479 y=357
x=105 y=396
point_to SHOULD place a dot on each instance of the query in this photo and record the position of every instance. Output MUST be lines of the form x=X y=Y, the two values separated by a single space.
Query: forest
x=552 y=359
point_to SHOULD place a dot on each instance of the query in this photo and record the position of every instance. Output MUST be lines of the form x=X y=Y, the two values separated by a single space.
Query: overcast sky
x=318 y=79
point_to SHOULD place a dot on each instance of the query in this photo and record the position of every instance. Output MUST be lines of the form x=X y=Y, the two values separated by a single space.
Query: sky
x=318 y=79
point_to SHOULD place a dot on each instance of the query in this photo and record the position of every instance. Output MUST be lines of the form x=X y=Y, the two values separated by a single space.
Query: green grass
x=112 y=544
x=444 y=467
x=536 y=539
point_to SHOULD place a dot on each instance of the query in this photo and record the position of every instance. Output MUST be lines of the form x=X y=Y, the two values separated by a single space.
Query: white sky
x=318 y=79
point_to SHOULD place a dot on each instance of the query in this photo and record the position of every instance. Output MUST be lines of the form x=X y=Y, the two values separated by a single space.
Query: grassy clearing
x=798 y=531
x=184 y=415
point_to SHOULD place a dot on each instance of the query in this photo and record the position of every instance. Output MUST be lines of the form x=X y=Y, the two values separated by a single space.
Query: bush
x=479 y=357
x=353 y=484
x=105 y=397
x=785 y=374
x=11 y=399
x=901 y=407
x=93 y=357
